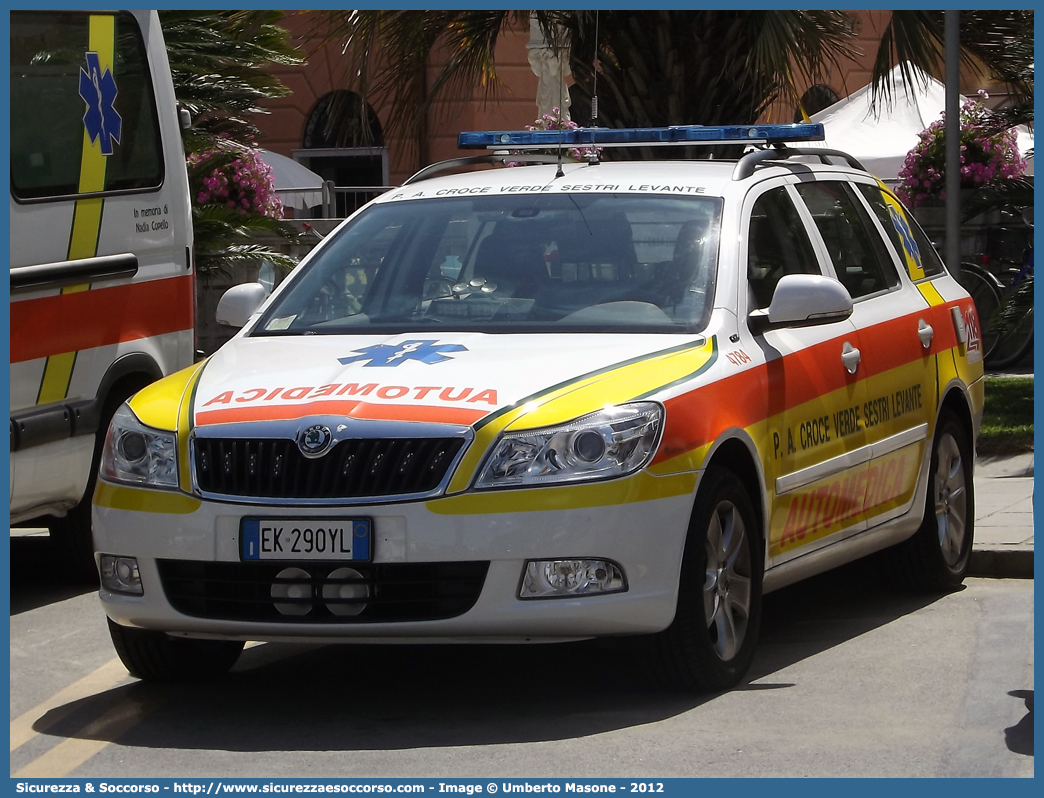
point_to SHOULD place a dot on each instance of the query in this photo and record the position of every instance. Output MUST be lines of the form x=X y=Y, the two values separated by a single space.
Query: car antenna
x=593 y=156
x=561 y=134
x=561 y=82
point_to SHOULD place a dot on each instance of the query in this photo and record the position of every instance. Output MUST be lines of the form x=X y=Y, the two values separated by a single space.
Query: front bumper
x=638 y=523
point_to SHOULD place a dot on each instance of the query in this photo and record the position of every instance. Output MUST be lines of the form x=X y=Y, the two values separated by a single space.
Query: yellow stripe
x=912 y=258
x=931 y=294
x=638 y=488
x=144 y=501
x=57 y=373
x=87 y=213
x=185 y=427
x=584 y=396
x=167 y=404
x=92 y=166
x=86 y=223
x=161 y=404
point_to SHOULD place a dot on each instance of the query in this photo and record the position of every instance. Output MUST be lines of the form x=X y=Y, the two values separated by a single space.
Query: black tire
x=936 y=558
x=74 y=532
x=710 y=644
x=157 y=657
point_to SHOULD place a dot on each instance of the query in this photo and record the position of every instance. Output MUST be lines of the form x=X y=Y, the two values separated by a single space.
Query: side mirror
x=803 y=300
x=239 y=303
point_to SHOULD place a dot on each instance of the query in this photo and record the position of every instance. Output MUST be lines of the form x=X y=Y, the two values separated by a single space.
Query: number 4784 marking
x=737 y=357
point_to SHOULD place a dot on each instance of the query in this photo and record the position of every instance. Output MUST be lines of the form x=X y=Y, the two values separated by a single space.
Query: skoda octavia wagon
x=552 y=402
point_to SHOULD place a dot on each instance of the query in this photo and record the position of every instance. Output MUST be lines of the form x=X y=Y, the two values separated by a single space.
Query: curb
x=1001 y=562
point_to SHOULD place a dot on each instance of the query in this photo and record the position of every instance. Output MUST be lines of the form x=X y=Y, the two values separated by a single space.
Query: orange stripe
x=350 y=409
x=696 y=418
x=99 y=317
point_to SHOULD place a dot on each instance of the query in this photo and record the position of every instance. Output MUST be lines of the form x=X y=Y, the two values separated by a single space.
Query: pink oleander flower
x=553 y=121
x=984 y=158
x=244 y=183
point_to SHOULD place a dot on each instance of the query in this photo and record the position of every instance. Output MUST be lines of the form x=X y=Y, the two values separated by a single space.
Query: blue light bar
x=639 y=137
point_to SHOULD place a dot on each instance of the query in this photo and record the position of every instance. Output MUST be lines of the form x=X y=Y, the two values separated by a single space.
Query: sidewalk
x=1003 y=517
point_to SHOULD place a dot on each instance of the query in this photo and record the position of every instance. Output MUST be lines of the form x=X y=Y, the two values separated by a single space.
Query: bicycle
x=1010 y=328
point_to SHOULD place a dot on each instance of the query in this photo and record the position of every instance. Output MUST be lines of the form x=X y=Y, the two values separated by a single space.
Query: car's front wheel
x=157 y=657
x=711 y=642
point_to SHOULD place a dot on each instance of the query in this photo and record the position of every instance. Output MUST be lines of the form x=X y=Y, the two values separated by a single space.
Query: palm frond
x=1001 y=195
x=219 y=62
x=226 y=237
x=387 y=55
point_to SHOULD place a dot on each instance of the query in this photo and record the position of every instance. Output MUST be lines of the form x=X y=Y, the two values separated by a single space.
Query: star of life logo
x=98 y=90
x=386 y=355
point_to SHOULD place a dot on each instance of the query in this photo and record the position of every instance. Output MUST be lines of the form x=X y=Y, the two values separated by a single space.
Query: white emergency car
x=553 y=402
x=102 y=290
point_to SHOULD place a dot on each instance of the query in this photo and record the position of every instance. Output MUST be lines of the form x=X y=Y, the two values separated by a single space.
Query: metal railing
x=337 y=202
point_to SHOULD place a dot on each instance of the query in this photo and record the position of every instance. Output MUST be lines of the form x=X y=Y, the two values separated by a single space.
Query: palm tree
x=218 y=60
x=653 y=67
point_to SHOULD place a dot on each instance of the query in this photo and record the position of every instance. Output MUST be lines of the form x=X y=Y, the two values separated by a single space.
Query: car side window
x=777 y=244
x=903 y=231
x=860 y=258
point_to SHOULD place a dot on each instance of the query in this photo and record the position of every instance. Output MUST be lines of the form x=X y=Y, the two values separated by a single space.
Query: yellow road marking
x=71 y=753
x=105 y=678
x=92 y=738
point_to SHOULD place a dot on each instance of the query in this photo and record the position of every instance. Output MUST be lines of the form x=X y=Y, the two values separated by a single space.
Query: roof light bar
x=640 y=137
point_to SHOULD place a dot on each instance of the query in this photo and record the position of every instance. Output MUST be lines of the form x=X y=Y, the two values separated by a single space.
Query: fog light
x=294 y=584
x=344 y=592
x=556 y=578
x=120 y=575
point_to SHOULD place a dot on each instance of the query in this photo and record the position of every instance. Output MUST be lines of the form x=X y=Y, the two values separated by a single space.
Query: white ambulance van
x=102 y=283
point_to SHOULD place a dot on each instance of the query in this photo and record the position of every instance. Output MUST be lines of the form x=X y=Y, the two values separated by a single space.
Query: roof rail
x=746 y=165
x=499 y=157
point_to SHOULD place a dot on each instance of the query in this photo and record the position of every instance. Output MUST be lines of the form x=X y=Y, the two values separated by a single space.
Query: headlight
x=609 y=443
x=138 y=454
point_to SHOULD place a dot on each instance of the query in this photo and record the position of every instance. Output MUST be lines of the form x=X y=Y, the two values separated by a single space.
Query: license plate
x=305 y=539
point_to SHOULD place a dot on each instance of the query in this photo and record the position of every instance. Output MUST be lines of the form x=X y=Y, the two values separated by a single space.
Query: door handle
x=925 y=333
x=850 y=356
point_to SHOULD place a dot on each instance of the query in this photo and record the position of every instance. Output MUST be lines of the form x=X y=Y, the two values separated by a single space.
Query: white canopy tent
x=881 y=139
x=296 y=184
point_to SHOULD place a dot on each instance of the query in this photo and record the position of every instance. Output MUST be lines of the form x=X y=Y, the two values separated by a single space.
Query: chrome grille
x=355 y=468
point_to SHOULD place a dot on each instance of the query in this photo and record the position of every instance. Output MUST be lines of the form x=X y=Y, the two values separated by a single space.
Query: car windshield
x=563 y=263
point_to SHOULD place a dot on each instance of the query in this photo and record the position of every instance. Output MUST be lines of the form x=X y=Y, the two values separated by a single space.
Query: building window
x=343 y=142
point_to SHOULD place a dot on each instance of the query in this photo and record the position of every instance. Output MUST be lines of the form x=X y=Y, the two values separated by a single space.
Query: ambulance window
x=861 y=261
x=777 y=245
x=69 y=96
x=929 y=258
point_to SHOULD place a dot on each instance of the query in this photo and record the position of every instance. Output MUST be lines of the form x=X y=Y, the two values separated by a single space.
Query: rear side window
x=906 y=235
x=777 y=245
x=85 y=119
x=860 y=258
